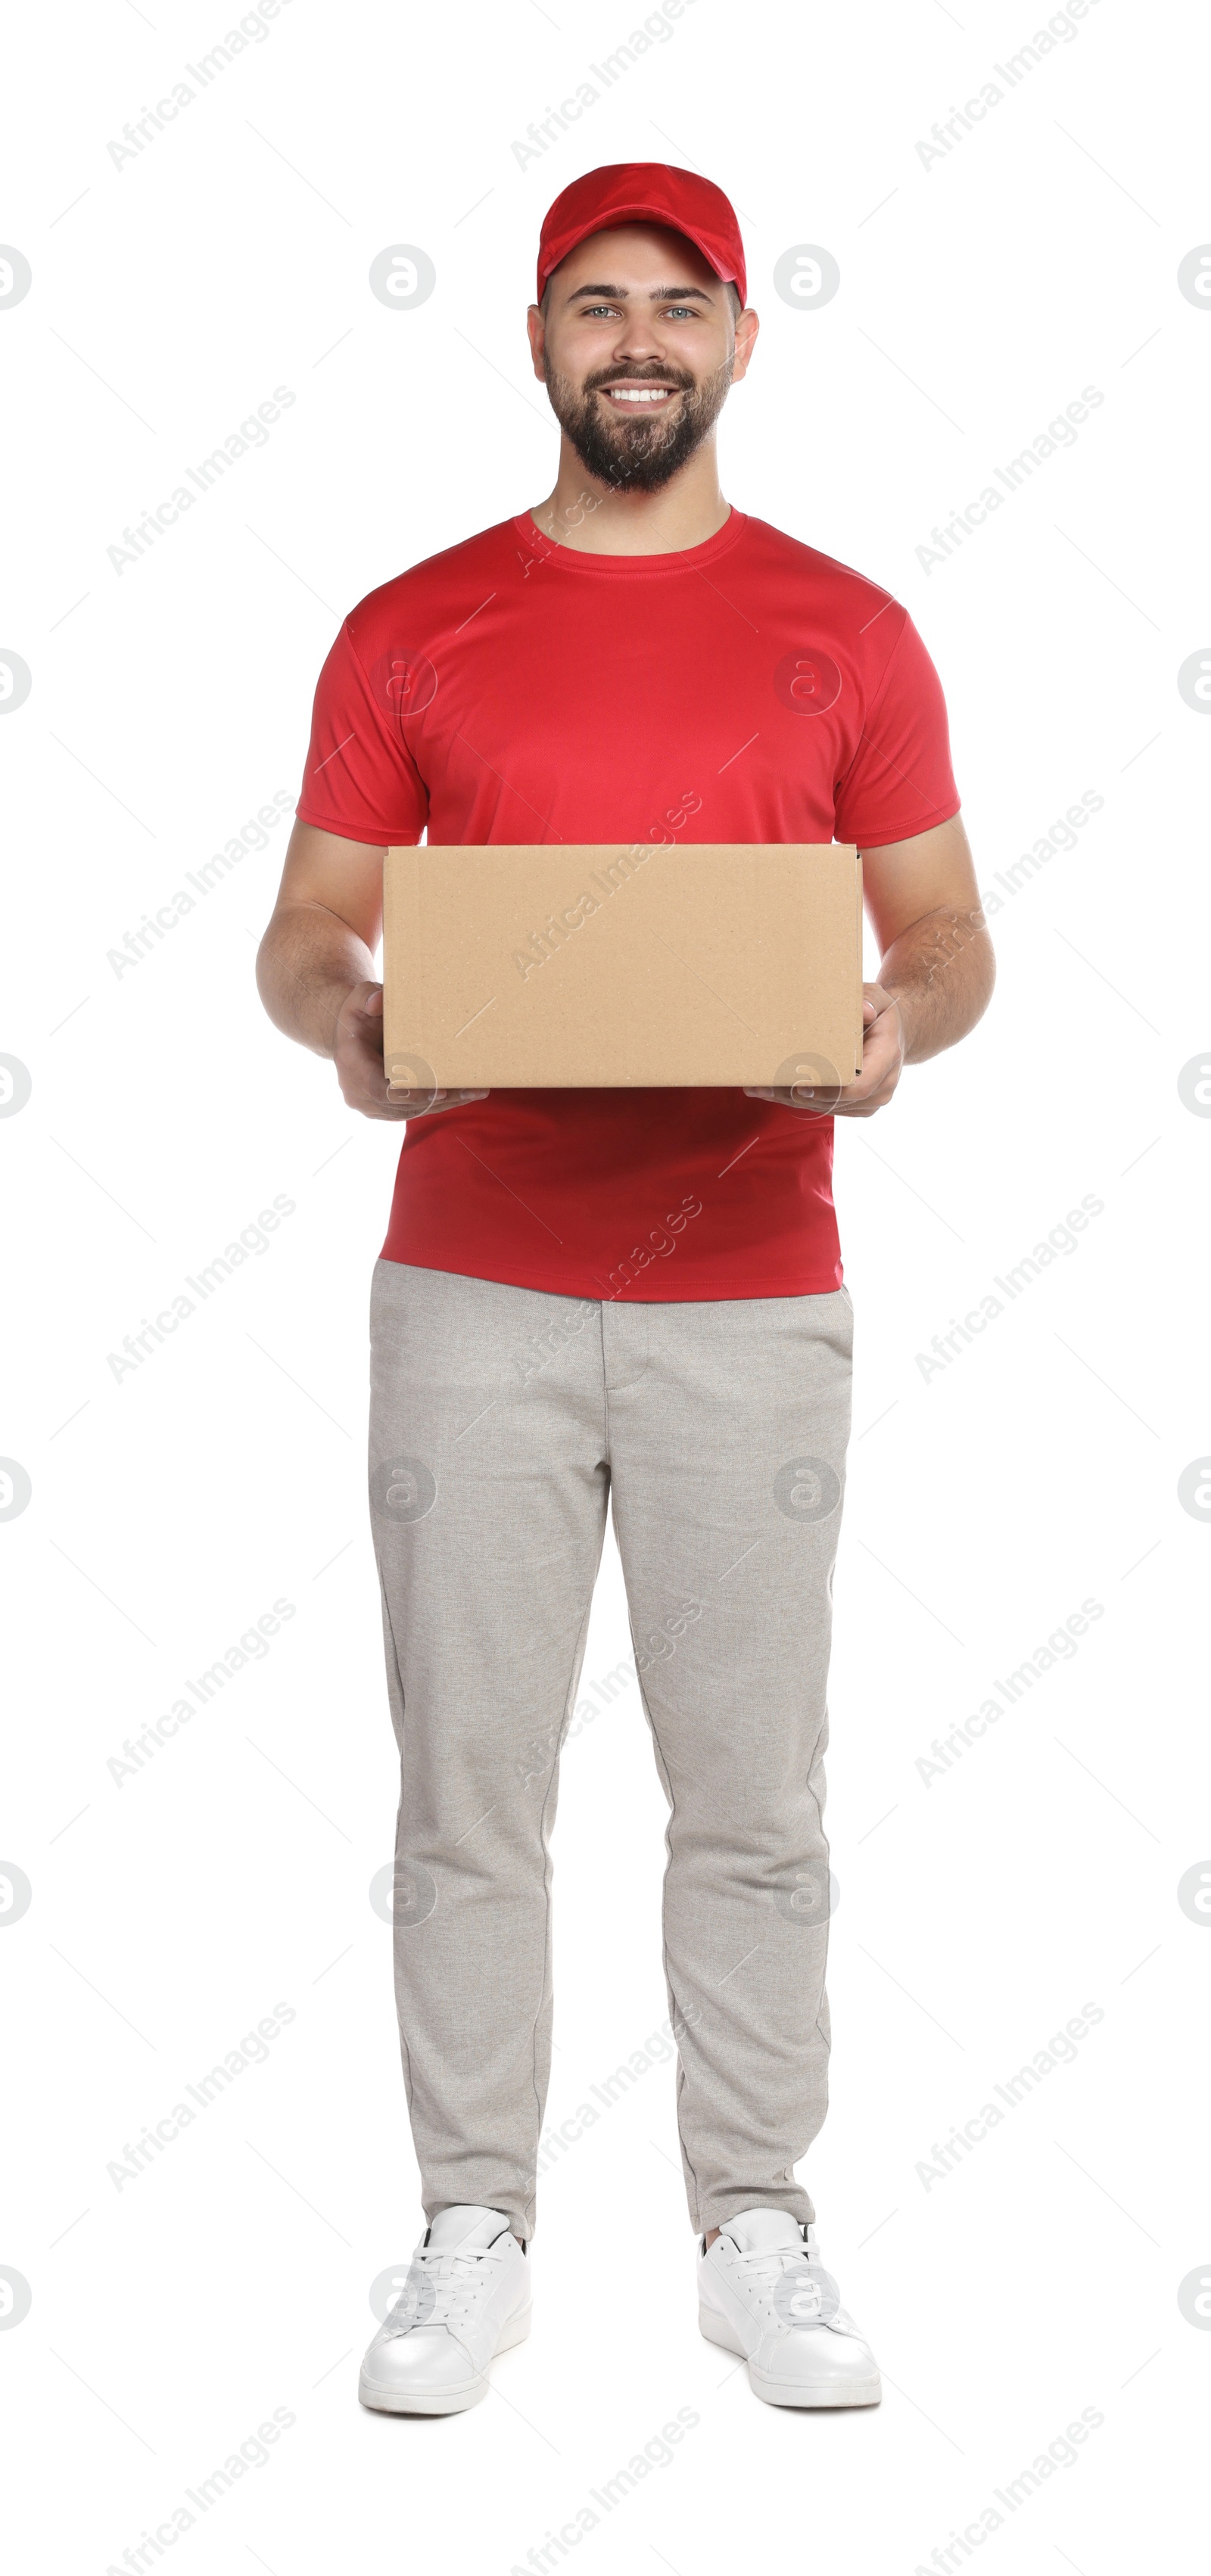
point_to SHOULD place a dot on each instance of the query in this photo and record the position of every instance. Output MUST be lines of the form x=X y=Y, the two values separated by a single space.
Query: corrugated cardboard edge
x=397 y=1069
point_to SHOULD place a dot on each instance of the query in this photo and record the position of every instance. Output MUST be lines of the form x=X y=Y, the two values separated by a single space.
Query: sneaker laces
x=444 y=2284
x=792 y=2281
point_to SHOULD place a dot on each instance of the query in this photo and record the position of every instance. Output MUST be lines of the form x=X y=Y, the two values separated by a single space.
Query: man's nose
x=638 y=344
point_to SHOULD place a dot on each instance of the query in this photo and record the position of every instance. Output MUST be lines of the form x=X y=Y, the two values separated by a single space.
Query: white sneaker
x=466 y=2297
x=763 y=2292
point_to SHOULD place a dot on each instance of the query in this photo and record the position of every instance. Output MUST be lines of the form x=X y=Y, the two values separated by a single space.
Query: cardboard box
x=605 y=966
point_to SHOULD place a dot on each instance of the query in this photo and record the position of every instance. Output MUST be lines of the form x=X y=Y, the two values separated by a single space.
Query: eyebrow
x=657 y=294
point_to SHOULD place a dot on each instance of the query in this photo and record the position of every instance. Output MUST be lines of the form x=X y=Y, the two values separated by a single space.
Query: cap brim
x=636 y=214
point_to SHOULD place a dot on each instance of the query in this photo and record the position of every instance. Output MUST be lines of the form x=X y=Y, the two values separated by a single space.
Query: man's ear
x=747 y=327
x=537 y=330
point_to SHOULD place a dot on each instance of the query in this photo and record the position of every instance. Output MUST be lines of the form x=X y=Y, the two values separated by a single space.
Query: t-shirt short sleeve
x=900 y=781
x=360 y=780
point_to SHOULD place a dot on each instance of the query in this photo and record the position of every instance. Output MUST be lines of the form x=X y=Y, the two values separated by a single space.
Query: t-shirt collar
x=630 y=567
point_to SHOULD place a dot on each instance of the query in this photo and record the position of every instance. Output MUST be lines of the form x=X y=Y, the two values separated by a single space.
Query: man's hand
x=312 y=972
x=936 y=971
x=884 y=1048
x=357 y=1049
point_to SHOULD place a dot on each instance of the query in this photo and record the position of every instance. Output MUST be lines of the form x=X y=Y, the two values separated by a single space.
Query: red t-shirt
x=512 y=690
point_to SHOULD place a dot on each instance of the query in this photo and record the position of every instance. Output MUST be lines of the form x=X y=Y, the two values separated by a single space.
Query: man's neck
x=597 y=519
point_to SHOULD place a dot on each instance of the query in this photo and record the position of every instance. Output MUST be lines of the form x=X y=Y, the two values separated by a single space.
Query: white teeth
x=645 y=394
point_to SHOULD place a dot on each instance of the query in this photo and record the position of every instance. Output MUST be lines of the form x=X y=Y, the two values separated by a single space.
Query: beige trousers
x=503 y=1420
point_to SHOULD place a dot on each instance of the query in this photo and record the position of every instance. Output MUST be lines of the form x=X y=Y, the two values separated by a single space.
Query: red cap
x=653 y=192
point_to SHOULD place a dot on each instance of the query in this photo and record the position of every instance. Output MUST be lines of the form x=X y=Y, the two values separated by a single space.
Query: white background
x=979 y=1909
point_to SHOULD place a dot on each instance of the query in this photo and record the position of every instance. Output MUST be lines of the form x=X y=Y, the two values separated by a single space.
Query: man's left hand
x=884 y=1047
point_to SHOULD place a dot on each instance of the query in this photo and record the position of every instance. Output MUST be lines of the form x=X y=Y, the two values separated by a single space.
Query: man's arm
x=937 y=969
x=315 y=969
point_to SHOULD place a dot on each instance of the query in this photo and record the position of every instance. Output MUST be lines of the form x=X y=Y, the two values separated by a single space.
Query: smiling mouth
x=650 y=396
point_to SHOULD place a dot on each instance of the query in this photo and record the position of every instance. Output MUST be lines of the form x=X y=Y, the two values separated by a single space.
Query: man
x=619 y=1293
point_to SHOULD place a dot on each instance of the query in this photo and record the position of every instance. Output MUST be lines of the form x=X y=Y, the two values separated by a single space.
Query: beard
x=644 y=453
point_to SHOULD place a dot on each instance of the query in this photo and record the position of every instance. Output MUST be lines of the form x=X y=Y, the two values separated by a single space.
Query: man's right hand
x=311 y=964
x=357 y=1048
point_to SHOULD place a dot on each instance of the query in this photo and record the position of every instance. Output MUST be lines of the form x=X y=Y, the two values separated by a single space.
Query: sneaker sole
x=440 y=2401
x=775 y=2392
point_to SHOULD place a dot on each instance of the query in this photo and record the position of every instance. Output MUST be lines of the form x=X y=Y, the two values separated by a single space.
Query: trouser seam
x=548 y=1873
x=390 y=1626
x=605 y=1389
x=677 y=2016
x=825 y=2042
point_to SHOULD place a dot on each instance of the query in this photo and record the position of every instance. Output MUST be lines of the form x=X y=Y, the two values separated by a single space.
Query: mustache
x=679 y=382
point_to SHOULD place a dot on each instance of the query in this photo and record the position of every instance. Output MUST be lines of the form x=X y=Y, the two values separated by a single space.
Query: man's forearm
x=308 y=962
x=941 y=972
